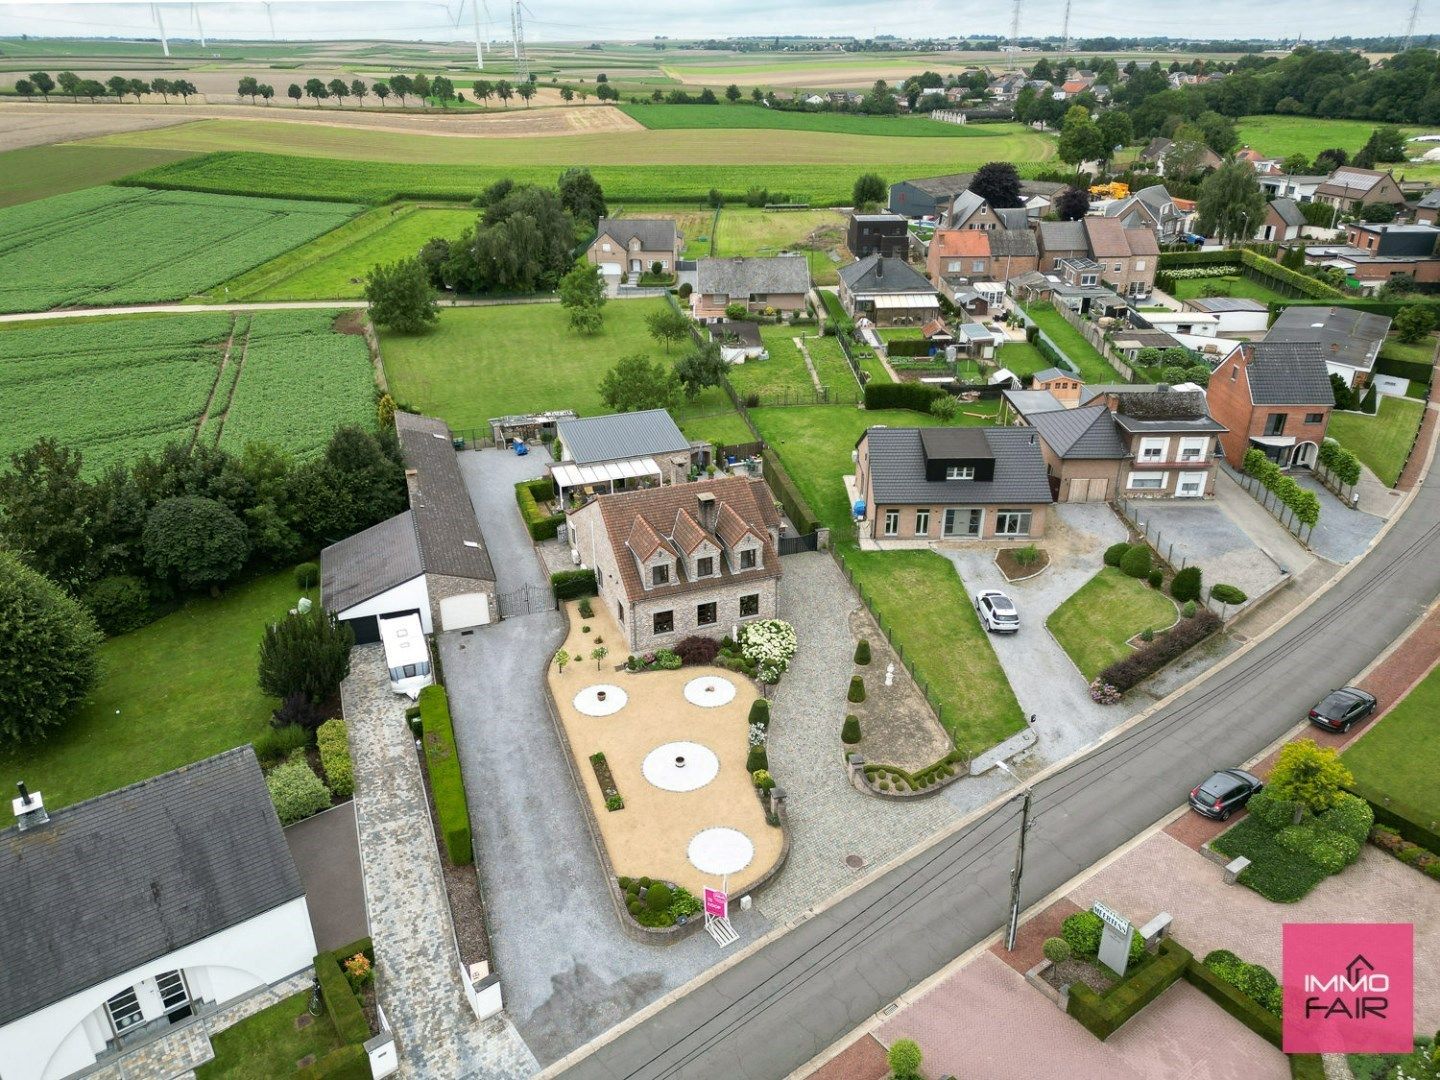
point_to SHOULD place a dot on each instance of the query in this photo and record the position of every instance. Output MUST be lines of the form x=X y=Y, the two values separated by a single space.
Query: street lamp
x=1013 y=924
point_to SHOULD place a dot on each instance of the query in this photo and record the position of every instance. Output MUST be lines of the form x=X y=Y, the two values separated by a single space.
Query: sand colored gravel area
x=650 y=836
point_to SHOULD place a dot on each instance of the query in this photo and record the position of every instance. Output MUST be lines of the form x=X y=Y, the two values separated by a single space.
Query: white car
x=997 y=612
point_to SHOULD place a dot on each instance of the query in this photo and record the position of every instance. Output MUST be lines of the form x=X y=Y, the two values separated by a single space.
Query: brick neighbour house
x=888 y=292
x=1350 y=187
x=1128 y=258
x=1275 y=396
x=633 y=245
x=959 y=257
x=920 y=485
x=1151 y=208
x=684 y=559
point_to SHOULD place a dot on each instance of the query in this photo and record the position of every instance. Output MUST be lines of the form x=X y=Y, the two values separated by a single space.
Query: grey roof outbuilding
x=369 y=563
x=897 y=469
x=114 y=882
x=1289 y=211
x=620 y=436
x=1346 y=335
x=445 y=524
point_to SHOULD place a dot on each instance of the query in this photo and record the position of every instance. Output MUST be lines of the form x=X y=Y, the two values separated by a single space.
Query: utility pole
x=1014 y=32
x=1012 y=924
x=522 y=64
x=1410 y=29
x=160 y=22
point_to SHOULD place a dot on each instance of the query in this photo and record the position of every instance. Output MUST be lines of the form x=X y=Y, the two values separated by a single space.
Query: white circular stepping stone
x=709 y=691
x=601 y=700
x=680 y=766
x=721 y=851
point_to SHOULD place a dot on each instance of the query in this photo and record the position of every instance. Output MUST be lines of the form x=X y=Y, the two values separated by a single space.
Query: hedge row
x=1403 y=818
x=573 y=584
x=1148 y=659
x=1300 y=501
x=913 y=396
x=1413 y=370
x=1257 y=263
x=909 y=347
x=446 y=784
x=340 y=1001
x=1241 y=1006
x=796 y=509
x=1375 y=307
x=332 y=739
x=528 y=493
x=1103 y=1015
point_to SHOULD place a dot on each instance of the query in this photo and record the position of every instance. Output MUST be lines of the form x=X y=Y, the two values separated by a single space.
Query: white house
x=1234 y=314
x=139 y=910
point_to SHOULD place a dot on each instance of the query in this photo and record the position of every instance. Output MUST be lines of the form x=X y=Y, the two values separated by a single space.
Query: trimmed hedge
x=796 y=508
x=1403 y=818
x=1259 y=266
x=573 y=584
x=340 y=1001
x=1148 y=659
x=296 y=791
x=351 y=1062
x=909 y=347
x=446 y=784
x=1114 y=553
x=856 y=692
x=541 y=526
x=913 y=396
x=850 y=730
x=862 y=652
x=332 y=739
x=1253 y=980
x=760 y=713
x=1103 y=1015
x=1307 y=1066
x=1413 y=370
x=1375 y=307
x=1239 y=1005
x=1186 y=585
x=1136 y=562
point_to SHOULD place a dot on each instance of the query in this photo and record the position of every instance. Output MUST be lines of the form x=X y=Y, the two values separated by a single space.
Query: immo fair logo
x=1349 y=988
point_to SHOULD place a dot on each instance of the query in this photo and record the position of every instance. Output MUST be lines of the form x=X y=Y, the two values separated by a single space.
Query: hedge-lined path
x=420 y=988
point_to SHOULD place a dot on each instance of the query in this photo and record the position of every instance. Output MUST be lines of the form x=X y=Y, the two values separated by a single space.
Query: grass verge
x=268 y=1044
x=1397 y=757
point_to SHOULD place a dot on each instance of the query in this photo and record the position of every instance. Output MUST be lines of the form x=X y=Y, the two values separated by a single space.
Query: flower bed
x=658 y=904
x=606 y=780
x=895 y=781
x=1423 y=859
x=1017 y=564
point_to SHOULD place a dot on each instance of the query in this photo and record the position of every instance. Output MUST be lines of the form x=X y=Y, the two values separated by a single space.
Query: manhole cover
x=855 y=862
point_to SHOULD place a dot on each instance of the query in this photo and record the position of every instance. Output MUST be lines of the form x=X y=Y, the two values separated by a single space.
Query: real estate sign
x=717 y=904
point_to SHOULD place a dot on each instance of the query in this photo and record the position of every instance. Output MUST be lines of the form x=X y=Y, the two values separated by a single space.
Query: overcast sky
x=552 y=20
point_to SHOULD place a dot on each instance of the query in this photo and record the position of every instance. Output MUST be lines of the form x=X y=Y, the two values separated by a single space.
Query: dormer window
x=660 y=575
x=705 y=567
x=960 y=472
x=747 y=559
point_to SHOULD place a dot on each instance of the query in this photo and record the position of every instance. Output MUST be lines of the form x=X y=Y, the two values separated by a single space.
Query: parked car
x=997 y=612
x=1341 y=709
x=1225 y=792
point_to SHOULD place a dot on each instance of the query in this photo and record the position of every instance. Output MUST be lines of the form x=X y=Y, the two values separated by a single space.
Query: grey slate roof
x=623 y=435
x=1289 y=373
x=1046 y=374
x=897 y=470
x=1013 y=243
x=966 y=205
x=655 y=234
x=122 y=879
x=1063 y=236
x=1431 y=201
x=368 y=563
x=1289 y=211
x=1015 y=218
x=1087 y=432
x=743 y=276
x=875 y=274
x=1346 y=335
x=445 y=522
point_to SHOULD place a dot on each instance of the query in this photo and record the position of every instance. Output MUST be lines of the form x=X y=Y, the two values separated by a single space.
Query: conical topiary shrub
x=857 y=689
x=850 y=732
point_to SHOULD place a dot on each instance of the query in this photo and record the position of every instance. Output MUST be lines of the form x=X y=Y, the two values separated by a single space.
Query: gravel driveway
x=1203 y=534
x=1341 y=534
x=1041 y=673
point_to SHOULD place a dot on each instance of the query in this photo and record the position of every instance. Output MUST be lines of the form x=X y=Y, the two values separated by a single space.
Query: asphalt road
x=780 y=1006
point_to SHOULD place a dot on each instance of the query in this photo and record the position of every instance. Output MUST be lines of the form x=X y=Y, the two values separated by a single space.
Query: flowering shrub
x=770 y=644
x=757 y=734
x=358 y=971
x=1103 y=693
x=762 y=779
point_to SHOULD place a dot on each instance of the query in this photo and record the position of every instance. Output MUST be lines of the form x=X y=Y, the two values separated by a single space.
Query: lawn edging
x=1403 y=818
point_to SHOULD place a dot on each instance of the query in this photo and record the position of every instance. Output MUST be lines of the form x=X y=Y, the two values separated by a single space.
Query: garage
x=463 y=611
x=375 y=574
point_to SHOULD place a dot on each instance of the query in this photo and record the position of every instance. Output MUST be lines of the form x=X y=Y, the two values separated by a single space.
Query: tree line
x=118 y=86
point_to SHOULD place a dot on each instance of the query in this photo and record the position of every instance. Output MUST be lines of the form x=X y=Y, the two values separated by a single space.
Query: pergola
x=605 y=474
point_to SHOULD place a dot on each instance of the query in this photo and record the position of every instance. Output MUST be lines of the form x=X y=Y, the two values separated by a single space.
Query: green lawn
x=917 y=593
x=1381 y=441
x=1094 y=625
x=1280 y=136
x=784 y=371
x=745 y=230
x=268 y=1044
x=830 y=364
x=36 y=172
x=1022 y=358
x=1093 y=367
x=1422 y=352
x=1236 y=285
x=718 y=429
x=173 y=692
x=481 y=362
x=1398 y=756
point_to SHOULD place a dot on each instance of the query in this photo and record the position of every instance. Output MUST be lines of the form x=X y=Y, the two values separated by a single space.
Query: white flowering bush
x=770 y=645
x=1190 y=273
x=757 y=735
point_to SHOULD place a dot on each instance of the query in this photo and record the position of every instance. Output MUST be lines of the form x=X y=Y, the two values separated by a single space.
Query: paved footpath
x=420 y=987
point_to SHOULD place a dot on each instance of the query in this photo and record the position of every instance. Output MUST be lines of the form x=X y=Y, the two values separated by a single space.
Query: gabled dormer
x=744 y=545
x=957 y=454
x=654 y=559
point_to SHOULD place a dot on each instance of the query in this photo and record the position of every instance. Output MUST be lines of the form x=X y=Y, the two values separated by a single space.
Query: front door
x=962 y=522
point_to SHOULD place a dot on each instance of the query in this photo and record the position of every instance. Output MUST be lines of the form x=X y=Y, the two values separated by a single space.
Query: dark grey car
x=1224 y=792
x=1342 y=709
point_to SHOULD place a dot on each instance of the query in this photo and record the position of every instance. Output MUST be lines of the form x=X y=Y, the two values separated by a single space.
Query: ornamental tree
x=1309 y=773
x=196 y=542
x=401 y=297
x=307 y=654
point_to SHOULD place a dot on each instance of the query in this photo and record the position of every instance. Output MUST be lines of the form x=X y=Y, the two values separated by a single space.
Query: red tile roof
x=949 y=243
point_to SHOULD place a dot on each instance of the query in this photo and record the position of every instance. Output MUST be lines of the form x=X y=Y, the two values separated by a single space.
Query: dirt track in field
x=37 y=124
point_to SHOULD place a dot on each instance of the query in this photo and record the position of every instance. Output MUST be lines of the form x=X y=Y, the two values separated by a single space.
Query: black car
x=1343 y=708
x=1225 y=792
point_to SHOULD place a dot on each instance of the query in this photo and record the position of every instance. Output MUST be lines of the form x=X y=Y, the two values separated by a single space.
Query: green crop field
x=114 y=388
x=333 y=267
x=110 y=245
x=670 y=117
x=37 y=172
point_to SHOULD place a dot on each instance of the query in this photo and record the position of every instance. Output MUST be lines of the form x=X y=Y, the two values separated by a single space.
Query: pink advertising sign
x=1349 y=988
x=717 y=904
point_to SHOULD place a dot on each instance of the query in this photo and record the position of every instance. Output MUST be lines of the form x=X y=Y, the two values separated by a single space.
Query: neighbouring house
x=1158 y=150
x=1388 y=251
x=171 y=903
x=777 y=284
x=1233 y=314
x=1071 y=87
x=1274 y=395
x=1151 y=208
x=888 y=292
x=738 y=341
x=1128 y=257
x=1349 y=339
x=918 y=485
x=620 y=452
x=634 y=245
x=878 y=234
x=970 y=211
x=682 y=559
x=960 y=258
x=1427 y=210
x=1418 y=241
x=1059 y=240
x=1065 y=385
x=1258 y=161
x=1283 y=222
x=1153 y=444
x=932 y=196
x=429 y=560
x=1349 y=187
x=1291 y=186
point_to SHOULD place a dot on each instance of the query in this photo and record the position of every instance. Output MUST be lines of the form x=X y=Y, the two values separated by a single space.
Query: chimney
x=709 y=510
x=29 y=809
x=880 y=267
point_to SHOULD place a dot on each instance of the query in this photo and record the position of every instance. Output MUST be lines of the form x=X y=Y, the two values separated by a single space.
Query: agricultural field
x=115 y=388
x=732 y=117
x=334 y=266
x=753 y=231
x=37 y=172
x=110 y=245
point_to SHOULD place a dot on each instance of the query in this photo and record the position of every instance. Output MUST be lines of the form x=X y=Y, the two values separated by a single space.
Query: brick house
x=1059 y=240
x=888 y=292
x=1151 y=208
x=1349 y=187
x=682 y=559
x=1065 y=385
x=634 y=245
x=1283 y=222
x=1275 y=396
x=1153 y=443
x=1128 y=258
x=950 y=483
x=958 y=257
x=776 y=284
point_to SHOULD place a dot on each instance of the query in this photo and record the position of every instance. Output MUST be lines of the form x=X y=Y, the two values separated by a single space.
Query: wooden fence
x=1096 y=337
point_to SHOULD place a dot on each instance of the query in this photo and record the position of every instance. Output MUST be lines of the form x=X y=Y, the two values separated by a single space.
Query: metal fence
x=1165 y=550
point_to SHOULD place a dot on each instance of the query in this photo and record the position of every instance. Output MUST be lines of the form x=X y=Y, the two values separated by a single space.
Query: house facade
x=172 y=902
x=921 y=485
x=687 y=559
x=1128 y=257
x=634 y=245
x=1151 y=208
x=878 y=234
x=1349 y=187
x=1283 y=222
x=1275 y=396
x=777 y=284
x=958 y=258
x=888 y=292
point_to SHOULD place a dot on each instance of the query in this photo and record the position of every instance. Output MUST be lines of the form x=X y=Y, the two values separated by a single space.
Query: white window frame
x=1139 y=264
x=168 y=1007
x=134 y=1014
x=959 y=472
x=1145 y=481
x=955 y=266
x=1192 y=448
x=605 y=247
x=1020 y=516
x=922 y=522
x=1153 y=450
x=1184 y=479
x=1087 y=279
x=892 y=522
x=977 y=266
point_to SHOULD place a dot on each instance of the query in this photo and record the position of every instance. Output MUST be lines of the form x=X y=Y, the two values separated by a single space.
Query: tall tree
x=636 y=382
x=45 y=511
x=701 y=367
x=25 y=87
x=1116 y=130
x=1230 y=204
x=483 y=89
x=998 y=184
x=249 y=87
x=732 y=93
x=1187 y=152
x=443 y=89
x=266 y=93
x=195 y=542
x=382 y=91
x=566 y=94
x=527 y=91
x=400 y=296
x=358 y=90
x=869 y=190
x=185 y=88
x=316 y=89
x=305 y=654
x=1080 y=138
x=581 y=195
x=43 y=83
x=338 y=90
x=119 y=85
x=70 y=84
x=504 y=91
x=582 y=294
x=668 y=326
x=1072 y=204
x=420 y=84
x=295 y=93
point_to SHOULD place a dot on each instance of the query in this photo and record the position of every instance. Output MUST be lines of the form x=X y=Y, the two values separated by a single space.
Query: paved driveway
x=491 y=476
x=326 y=850
x=1041 y=674
x=1202 y=533
x=1341 y=534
